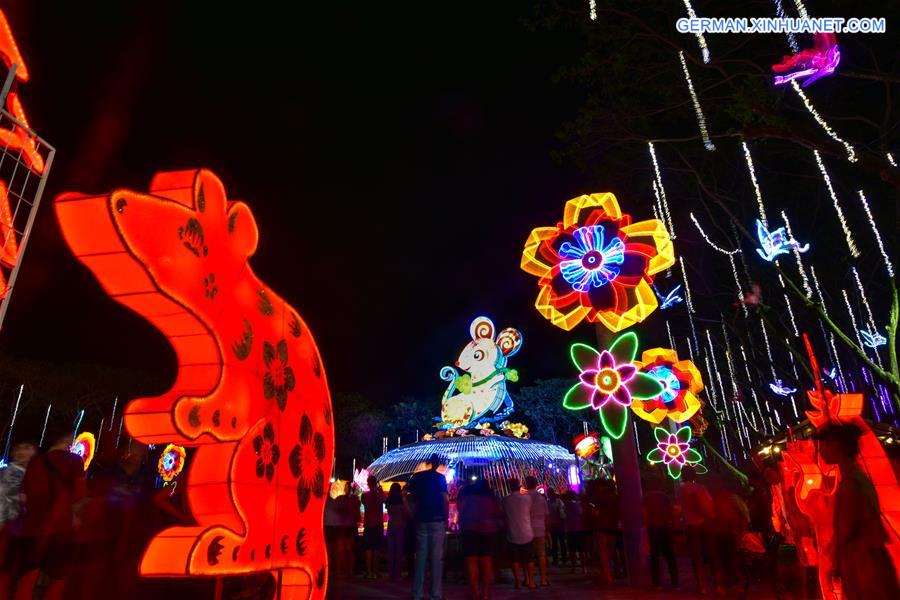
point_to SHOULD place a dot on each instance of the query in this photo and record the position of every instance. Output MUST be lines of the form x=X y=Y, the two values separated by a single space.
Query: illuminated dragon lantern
x=250 y=394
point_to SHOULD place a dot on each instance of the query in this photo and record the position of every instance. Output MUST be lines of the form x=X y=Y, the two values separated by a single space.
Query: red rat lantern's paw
x=250 y=394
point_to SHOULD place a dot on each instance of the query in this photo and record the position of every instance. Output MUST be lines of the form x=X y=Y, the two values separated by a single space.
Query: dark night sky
x=395 y=155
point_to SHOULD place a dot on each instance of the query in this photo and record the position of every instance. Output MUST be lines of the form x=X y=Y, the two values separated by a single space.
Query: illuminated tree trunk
x=628 y=482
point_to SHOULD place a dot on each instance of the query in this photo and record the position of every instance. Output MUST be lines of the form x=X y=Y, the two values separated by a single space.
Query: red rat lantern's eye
x=121 y=203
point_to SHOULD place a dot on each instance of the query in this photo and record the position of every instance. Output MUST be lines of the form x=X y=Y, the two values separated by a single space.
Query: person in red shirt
x=53 y=492
x=698 y=512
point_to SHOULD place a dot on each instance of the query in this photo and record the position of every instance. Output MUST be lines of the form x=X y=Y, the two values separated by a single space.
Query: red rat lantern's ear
x=509 y=341
x=482 y=328
x=242 y=228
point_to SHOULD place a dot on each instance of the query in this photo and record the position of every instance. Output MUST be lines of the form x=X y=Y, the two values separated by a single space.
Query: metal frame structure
x=24 y=192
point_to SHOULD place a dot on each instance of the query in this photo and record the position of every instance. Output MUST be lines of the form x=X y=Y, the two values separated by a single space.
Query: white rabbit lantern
x=479 y=395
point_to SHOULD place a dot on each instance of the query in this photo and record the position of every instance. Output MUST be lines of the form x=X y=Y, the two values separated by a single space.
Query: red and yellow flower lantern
x=681 y=381
x=171 y=462
x=83 y=446
x=597 y=264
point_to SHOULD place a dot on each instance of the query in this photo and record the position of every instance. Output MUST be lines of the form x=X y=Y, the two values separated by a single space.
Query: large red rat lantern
x=250 y=393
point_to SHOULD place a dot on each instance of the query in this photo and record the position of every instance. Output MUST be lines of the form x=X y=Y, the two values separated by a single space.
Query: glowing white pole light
x=44 y=429
x=884 y=254
x=801 y=10
x=661 y=191
x=593 y=7
x=797 y=377
x=862 y=295
x=792 y=41
x=759 y=200
x=712 y=355
x=701 y=120
x=737 y=282
x=687 y=287
x=12 y=424
x=709 y=241
x=787 y=301
x=851 y=152
x=787 y=226
x=701 y=40
x=837 y=207
x=853 y=319
x=891 y=160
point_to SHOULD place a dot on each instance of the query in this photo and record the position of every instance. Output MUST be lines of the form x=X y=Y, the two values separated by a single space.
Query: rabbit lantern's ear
x=482 y=328
x=509 y=341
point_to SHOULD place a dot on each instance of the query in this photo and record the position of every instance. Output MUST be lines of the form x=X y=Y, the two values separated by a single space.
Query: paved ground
x=564 y=587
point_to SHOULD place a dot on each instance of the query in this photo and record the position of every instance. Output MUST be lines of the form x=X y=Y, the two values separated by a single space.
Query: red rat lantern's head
x=250 y=393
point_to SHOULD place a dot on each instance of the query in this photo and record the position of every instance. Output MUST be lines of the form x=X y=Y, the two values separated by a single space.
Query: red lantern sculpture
x=250 y=393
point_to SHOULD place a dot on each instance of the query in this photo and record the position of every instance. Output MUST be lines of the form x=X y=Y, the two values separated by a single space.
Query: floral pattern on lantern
x=597 y=264
x=83 y=447
x=609 y=381
x=681 y=381
x=674 y=450
x=171 y=462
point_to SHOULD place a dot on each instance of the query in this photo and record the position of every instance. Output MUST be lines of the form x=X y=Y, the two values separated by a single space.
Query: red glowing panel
x=250 y=392
x=9 y=50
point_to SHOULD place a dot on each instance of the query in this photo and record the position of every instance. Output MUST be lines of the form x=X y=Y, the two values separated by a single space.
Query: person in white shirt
x=519 y=533
x=540 y=520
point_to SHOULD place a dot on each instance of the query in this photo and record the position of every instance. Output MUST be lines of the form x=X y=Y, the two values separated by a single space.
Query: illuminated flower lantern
x=250 y=388
x=171 y=462
x=681 y=381
x=597 y=264
x=608 y=382
x=83 y=446
x=674 y=450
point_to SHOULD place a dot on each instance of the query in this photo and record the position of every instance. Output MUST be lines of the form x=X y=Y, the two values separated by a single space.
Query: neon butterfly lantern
x=812 y=63
x=674 y=450
x=681 y=382
x=83 y=447
x=774 y=243
x=170 y=464
x=597 y=265
x=609 y=381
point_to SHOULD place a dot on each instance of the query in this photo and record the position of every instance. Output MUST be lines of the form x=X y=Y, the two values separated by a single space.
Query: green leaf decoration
x=656 y=456
x=625 y=348
x=661 y=434
x=674 y=470
x=684 y=434
x=614 y=418
x=583 y=356
x=692 y=456
x=645 y=387
x=578 y=397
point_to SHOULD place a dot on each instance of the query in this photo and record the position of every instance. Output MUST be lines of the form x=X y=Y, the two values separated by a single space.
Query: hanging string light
x=701 y=120
x=848 y=235
x=750 y=384
x=593 y=7
x=796 y=378
x=891 y=160
x=718 y=373
x=756 y=190
x=837 y=363
x=762 y=325
x=671 y=339
x=851 y=152
x=660 y=191
x=737 y=282
x=801 y=10
x=709 y=241
x=884 y=254
x=792 y=41
x=701 y=40
x=812 y=271
x=687 y=287
x=787 y=301
x=853 y=319
x=862 y=295
x=787 y=226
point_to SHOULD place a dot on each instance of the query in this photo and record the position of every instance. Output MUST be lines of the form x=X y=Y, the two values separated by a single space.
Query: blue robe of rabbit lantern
x=478 y=394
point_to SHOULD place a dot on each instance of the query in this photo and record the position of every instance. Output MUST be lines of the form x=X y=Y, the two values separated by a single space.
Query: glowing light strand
x=671 y=339
x=848 y=235
x=750 y=385
x=851 y=152
x=737 y=282
x=792 y=41
x=806 y=288
x=701 y=39
x=12 y=424
x=801 y=10
x=711 y=243
x=787 y=301
x=687 y=288
x=884 y=254
x=756 y=190
x=891 y=160
x=812 y=272
x=701 y=120
x=718 y=373
x=44 y=429
x=865 y=300
x=796 y=378
x=852 y=318
x=762 y=325
x=661 y=191
x=593 y=9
